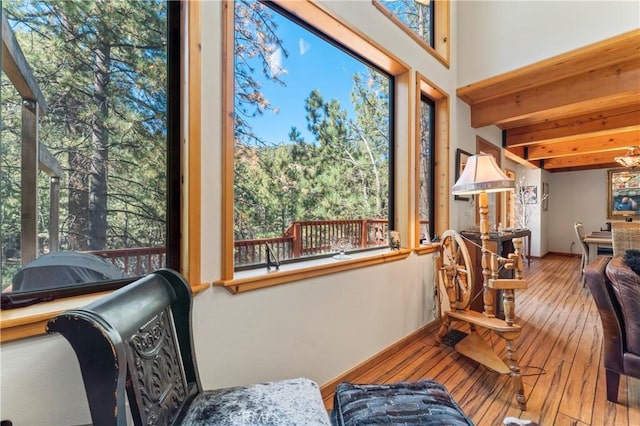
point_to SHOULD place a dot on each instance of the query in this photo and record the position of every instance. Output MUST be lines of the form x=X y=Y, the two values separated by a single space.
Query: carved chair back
x=138 y=341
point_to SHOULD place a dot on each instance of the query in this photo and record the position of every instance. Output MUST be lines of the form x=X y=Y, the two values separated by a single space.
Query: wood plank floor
x=560 y=351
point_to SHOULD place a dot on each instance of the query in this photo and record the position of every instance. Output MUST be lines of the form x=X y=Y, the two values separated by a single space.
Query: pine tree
x=101 y=66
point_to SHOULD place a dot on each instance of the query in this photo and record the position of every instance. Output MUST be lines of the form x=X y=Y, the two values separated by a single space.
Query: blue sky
x=312 y=64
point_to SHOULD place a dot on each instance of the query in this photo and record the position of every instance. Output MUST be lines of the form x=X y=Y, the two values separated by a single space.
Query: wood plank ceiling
x=575 y=111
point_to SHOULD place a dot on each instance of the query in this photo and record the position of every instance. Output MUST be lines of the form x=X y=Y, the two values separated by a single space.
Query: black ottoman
x=406 y=403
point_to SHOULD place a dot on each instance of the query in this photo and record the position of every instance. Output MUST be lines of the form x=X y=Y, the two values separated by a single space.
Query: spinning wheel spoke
x=455 y=270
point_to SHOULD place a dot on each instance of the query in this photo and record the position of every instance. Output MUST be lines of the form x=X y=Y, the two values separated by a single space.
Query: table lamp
x=480 y=176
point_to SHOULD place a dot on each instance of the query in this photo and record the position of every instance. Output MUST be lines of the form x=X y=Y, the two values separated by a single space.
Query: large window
x=313 y=140
x=89 y=149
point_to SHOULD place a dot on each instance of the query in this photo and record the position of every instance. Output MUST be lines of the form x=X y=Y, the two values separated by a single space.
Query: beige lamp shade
x=482 y=174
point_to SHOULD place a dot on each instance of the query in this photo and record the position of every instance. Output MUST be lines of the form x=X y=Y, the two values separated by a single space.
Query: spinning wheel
x=455 y=271
x=455 y=276
x=482 y=175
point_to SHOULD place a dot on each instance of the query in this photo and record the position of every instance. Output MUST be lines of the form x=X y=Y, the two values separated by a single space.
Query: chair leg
x=613 y=382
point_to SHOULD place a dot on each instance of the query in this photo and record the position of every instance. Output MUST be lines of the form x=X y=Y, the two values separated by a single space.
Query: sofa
x=616 y=291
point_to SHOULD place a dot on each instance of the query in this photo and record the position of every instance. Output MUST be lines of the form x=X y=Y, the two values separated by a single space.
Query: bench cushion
x=292 y=402
x=424 y=402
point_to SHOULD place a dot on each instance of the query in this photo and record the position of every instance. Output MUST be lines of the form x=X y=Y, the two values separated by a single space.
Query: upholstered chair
x=616 y=291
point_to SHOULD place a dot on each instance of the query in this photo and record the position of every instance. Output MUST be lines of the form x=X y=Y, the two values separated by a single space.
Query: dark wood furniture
x=500 y=243
x=616 y=292
x=137 y=342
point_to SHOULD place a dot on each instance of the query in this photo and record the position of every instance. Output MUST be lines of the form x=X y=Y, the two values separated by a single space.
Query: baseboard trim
x=558 y=253
x=328 y=388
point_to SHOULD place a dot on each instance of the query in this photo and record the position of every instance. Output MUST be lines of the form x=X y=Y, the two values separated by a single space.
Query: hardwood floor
x=560 y=351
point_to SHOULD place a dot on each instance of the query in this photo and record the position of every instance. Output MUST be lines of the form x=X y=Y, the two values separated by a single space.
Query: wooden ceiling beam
x=604 y=159
x=611 y=86
x=575 y=62
x=575 y=111
x=561 y=129
x=518 y=155
x=586 y=167
x=585 y=145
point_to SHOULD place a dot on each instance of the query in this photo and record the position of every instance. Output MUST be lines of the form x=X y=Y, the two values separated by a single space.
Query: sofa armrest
x=600 y=287
x=626 y=289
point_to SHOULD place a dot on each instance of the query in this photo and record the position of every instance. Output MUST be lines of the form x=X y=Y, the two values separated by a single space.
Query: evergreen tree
x=414 y=14
x=101 y=66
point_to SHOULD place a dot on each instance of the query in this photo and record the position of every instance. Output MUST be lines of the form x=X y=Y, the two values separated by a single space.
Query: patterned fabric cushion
x=406 y=403
x=293 y=402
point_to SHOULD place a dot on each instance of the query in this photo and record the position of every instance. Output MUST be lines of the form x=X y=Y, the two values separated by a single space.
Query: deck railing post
x=364 y=233
x=297 y=239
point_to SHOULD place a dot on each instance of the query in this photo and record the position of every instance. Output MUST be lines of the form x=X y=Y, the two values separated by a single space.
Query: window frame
x=11 y=300
x=440 y=198
x=183 y=193
x=432 y=143
x=390 y=172
x=324 y=21
x=441 y=29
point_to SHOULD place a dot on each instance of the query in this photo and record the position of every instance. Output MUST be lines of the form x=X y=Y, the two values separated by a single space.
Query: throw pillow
x=632 y=260
x=424 y=403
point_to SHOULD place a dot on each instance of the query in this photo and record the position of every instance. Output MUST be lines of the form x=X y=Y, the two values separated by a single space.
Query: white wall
x=498 y=36
x=318 y=328
x=575 y=197
x=463 y=213
x=537 y=217
x=324 y=326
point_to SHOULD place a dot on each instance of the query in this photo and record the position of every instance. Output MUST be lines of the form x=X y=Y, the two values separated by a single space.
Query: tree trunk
x=100 y=152
x=78 y=203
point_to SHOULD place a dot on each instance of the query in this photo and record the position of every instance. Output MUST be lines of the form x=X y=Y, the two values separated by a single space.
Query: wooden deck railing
x=250 y=252
x=307 y=238
x=134 y=261
x=301 y=239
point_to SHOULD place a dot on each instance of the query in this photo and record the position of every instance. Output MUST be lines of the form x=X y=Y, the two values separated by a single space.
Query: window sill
x=31 y=320
x=259 y=278
x=427 y=248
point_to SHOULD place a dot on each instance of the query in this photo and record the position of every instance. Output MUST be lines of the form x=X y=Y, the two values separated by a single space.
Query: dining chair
x=579 y=228
x=624 y=236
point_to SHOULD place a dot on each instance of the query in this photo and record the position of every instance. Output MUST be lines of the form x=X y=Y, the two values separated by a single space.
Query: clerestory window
x=89 y=149
x=425 y=21
x=417 y=15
